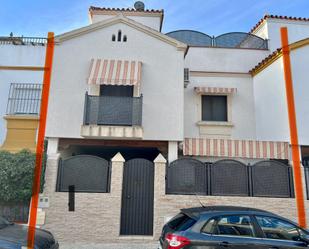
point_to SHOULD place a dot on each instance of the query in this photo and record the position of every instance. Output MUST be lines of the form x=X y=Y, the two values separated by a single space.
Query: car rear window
x=181 y=222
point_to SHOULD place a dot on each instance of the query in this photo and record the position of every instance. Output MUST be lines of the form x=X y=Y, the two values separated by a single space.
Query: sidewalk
x=129 y=245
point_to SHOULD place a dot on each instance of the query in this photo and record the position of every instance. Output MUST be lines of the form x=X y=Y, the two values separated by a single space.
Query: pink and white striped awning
x=235 y=148
x=115 y=72
x=214 y=90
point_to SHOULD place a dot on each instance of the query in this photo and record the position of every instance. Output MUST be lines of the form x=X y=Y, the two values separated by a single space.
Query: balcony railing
x=110 y=110
x=13 y=40
x=24 y=98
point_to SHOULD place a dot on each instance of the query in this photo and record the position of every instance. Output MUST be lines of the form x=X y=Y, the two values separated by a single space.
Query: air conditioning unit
x=186 y=77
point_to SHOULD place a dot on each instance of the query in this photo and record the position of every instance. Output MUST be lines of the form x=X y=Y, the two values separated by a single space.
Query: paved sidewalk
x=129 y=245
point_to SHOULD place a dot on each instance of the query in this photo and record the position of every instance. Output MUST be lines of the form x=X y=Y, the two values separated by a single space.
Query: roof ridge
x=266 y=16
x=91 y=8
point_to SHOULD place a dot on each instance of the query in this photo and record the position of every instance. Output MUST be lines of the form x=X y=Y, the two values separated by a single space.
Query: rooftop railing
x=12 y=40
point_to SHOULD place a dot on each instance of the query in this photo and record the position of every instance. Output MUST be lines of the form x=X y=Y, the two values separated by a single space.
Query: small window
x=113 y=38
x=274 y=228
x=124 y=38
x=214 y=108
x=234 y=225
x=119 y=36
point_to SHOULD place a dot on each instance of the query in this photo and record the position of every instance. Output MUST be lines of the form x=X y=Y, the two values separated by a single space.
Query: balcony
x=113 y=117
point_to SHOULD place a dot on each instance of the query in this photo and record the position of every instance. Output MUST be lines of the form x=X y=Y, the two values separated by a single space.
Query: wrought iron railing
x=23 y=40
x=24 y=98
x=110 y=110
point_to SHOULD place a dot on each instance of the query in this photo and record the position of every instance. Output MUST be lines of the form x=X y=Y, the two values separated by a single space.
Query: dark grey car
x=218 y=227
x=14 y=236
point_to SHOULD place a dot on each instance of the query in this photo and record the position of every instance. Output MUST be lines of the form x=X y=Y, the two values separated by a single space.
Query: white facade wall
x=153 y=22
x=300 y=74
x=223 y=59
x=241 y=104
x=162 y=81
x=270 y=104
x=17 y=55
x=297 y=30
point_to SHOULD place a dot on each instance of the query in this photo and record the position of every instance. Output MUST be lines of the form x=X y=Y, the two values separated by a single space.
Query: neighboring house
x=21 y=75
x=142 y=123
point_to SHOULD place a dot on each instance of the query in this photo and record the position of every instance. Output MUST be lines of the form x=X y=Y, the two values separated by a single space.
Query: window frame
x=228 y=109
x=256 y=232
x=262 y=234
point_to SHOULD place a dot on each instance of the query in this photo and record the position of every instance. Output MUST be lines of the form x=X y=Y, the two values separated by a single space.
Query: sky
x=214 y=17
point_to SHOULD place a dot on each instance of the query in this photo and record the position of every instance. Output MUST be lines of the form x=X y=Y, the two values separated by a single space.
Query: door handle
x=224 y=244
x=128 y=197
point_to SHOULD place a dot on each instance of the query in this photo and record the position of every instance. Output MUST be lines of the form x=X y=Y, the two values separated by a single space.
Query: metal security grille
x=86 y=173
x=112 y=110
x=187 y=176
x=24 y=98
x=271 y=179
x=229 y=177
x=137 y=197
x=23 y=40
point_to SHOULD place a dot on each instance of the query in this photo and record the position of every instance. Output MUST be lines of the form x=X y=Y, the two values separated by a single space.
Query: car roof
x=195 y=212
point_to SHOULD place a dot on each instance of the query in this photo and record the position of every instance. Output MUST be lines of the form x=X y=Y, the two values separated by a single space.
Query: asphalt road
x=111 y=246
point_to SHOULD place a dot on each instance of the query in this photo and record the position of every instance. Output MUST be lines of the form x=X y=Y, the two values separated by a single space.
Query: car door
x=279 y=233
x=229 y=231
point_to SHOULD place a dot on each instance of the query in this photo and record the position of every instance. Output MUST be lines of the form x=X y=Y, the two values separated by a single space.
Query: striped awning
x=115 y=72
x=235 y=148
x=214 y=90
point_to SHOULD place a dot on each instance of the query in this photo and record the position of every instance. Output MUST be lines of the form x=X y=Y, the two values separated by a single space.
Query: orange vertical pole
x=40 y=141
x=293 y=128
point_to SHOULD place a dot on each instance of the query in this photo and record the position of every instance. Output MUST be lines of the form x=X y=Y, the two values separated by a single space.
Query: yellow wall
x=21 y=132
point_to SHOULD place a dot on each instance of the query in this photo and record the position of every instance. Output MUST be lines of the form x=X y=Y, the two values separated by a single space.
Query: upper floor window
x=116 y=91
x=214 y=108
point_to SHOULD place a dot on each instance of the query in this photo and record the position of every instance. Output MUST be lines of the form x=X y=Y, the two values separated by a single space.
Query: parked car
x=217 y=227
x=14 y=236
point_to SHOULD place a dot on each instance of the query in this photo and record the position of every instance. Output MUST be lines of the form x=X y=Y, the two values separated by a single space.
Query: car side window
x=275 y=228
x=233 y=225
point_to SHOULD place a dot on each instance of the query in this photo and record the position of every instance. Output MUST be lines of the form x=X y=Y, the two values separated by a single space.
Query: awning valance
x=235 y=148
x=115 y=72
x=214 y=90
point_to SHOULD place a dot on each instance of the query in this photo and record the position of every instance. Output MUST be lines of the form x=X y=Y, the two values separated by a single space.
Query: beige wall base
x=21 y=132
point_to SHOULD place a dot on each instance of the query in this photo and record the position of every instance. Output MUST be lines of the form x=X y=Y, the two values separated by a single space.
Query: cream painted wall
x=17 y=55
x=270 y=104
x=242 y=105
x=153 y=22
x=300 y=73
x=162 y=81
x=223 y=59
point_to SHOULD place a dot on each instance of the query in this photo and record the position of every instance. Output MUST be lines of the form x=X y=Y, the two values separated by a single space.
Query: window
x=181 y=222
x=214 y=108
x=209 y=227
x=116 y=91
x=274 y=228
x=119 y=36
x=234 y=225
x=113 y=38
x=124 y=38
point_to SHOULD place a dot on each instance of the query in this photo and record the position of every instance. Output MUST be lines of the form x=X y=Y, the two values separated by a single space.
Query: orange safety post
x=40 y=141
x=293 y=128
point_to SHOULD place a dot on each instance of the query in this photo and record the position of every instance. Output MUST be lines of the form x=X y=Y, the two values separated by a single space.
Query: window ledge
x=215 y=123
